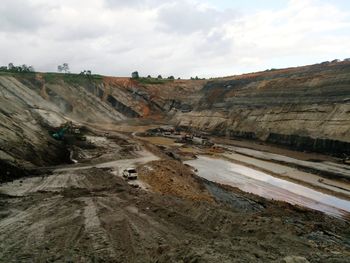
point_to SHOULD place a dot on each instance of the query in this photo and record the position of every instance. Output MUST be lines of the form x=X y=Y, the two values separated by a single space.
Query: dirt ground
x=319 y=172
x=170 y=177
x=89 y=213
x=94 y=216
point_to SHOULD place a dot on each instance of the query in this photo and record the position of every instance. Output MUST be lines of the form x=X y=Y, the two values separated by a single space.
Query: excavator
x=68 y=132
x=59 y=135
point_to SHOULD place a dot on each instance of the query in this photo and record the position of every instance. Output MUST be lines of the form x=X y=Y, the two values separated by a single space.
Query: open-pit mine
x=247 y=168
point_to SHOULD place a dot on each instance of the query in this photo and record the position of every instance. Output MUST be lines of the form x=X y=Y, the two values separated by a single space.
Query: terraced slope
x=32 y=104
x=306 y=108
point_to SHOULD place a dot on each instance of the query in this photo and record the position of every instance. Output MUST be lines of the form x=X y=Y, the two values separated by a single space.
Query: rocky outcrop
x=23 y=140
x=306 y=108
x=31 y=106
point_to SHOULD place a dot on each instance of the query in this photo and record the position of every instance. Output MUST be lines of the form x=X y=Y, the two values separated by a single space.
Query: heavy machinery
x=68 y=131
x=130 y=174
x=59 y=135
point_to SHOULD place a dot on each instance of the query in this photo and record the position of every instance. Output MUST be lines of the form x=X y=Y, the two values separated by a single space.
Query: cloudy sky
x=183 y=38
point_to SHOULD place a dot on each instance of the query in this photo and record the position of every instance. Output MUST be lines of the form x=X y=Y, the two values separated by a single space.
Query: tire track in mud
x=130 y=230
x=27 y=228
x=65 y=230
x=52 y=183
x=100 y=242
x=91 y=215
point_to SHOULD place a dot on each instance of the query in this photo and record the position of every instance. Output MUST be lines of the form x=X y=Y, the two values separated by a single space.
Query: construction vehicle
x=130 y=173
x=59 y=135
x=69 y=132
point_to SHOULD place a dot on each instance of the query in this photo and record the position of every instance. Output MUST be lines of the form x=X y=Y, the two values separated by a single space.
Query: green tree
x=135 y=75
x=63 y=68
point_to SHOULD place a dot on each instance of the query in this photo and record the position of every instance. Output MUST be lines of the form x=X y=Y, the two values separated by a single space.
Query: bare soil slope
x=93 y=216
x=305 y=108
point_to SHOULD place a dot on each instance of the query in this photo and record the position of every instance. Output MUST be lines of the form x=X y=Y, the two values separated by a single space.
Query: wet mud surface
x=262 y=184
x=89 y=213
x=92 y=215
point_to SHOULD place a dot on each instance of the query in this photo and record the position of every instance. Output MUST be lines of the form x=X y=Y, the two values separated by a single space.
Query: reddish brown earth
x=88 y=213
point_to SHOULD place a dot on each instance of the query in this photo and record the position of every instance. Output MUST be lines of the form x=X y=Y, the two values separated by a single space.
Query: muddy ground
x=89 y=213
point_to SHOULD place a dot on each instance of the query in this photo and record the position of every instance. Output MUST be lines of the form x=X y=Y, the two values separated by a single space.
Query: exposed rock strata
x=305 y=108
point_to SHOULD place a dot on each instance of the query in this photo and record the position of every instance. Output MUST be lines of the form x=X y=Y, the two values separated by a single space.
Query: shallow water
x=265 y=185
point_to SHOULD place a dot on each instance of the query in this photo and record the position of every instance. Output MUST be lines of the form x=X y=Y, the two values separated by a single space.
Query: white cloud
x=186 y=17
x=298 y=30
x=22 y=15
x=184 y=37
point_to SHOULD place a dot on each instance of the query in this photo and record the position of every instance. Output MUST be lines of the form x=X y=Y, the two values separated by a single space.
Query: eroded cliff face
x=32 y=104
x=306 y=108
x=24 y=142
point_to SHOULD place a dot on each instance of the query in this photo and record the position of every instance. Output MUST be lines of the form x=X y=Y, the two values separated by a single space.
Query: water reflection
x=262 y=184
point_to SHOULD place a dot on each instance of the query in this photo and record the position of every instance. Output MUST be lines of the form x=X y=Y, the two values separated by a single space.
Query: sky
x=183 y=38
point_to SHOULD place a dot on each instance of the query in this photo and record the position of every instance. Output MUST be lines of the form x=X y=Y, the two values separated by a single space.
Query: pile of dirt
x=93 y=216
x=171 y=177
x=82 y=213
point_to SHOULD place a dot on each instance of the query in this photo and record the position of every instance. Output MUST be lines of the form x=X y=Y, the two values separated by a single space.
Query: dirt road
x=92 y=215
x=88 y=213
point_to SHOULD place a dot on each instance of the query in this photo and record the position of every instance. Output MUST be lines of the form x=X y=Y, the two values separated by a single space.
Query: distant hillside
x=305 y=108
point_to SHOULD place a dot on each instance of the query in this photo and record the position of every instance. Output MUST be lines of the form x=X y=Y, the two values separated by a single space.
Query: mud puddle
x=265 y=185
